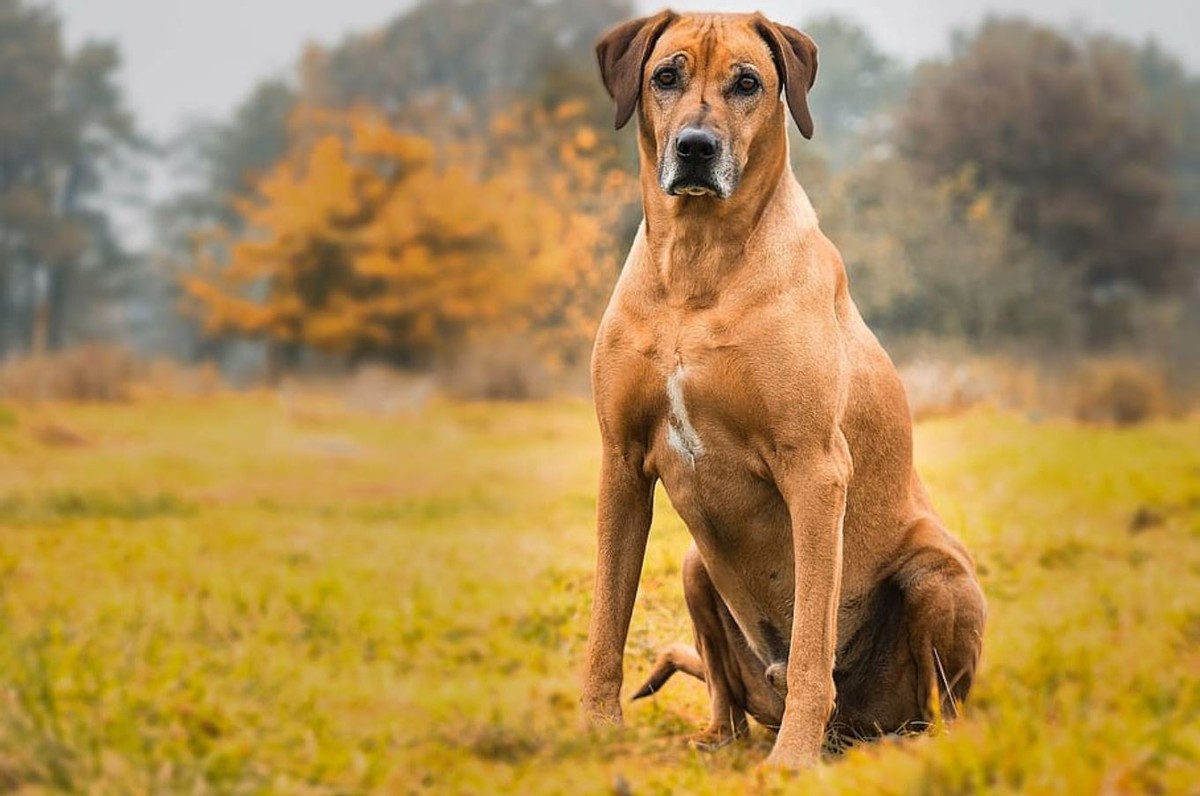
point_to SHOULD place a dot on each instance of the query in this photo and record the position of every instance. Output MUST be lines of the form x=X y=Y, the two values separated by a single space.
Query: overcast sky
x=187 y=58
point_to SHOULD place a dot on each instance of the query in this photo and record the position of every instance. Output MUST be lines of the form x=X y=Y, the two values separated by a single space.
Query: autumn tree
x=471 y=58
x=371 y=242
x=443 y=71
x=1063 y=126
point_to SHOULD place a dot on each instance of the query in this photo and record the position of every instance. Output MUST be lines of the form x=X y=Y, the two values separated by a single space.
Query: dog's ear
x=622 y=53
x=796 y=58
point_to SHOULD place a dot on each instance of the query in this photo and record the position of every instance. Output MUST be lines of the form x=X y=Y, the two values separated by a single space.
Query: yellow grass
x=225 y=596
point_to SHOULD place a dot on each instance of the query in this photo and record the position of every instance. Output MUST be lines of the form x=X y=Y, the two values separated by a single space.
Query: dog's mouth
x=694 y=182
x=715 y=180
x=695 y=189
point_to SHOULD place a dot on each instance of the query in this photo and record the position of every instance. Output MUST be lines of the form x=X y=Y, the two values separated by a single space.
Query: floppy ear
x=622 y=53
x=796 y=58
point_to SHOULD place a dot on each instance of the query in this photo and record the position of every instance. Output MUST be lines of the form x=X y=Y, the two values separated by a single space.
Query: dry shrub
x=165 y=379
x=937 y=388
x=1117 y=391
x=56 y=435
x=508 y=369
x=305 y=404
x=1123 y=392
x=86 y=373
x=327 y=400
x=941 y=387
x=377 y=390
x=103 y=373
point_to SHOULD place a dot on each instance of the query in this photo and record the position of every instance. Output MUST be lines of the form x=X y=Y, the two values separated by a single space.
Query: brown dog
x=732 y=365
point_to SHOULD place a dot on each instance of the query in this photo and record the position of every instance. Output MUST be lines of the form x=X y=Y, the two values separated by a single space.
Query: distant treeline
x=451 y=182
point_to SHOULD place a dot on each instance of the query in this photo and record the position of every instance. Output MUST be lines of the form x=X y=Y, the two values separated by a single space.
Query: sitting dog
x=732 y=365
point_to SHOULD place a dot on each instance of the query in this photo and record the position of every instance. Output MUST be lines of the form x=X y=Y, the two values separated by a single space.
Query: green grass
x=210 y=597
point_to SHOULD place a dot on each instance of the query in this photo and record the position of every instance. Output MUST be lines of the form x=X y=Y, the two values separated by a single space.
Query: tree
x=857 y=86
x=1062 y=126
x=440 y=70
x=468 y=59
x=371 y=242
x=1173 y=96
x=481 y=54
x=223 y=161
x=220 y=164
x=941 y=260
x=62 y=124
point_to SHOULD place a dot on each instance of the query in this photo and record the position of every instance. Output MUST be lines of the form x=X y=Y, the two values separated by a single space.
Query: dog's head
x=709 y=91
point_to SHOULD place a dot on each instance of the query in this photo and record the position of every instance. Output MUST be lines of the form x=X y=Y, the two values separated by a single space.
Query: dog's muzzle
x=697 y=165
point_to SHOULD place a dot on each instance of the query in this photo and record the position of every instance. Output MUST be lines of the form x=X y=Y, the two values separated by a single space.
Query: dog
x=732 y=365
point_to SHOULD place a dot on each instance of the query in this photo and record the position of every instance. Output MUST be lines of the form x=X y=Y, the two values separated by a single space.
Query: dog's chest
x=711 y=404
x=711 y=381
x=710 y=451
x=682 y=437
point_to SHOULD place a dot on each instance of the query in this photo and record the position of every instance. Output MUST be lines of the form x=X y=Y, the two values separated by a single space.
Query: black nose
x=695 y=145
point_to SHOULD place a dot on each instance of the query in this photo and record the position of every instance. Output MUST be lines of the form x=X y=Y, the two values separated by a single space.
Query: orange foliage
x=368 y=240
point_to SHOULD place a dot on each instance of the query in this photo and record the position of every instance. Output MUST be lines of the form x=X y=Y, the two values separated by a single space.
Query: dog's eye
x=667 y=77
x=747 y=84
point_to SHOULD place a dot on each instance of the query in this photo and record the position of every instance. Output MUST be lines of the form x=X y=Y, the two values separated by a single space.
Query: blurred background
x=436 y=188
x=297 y=464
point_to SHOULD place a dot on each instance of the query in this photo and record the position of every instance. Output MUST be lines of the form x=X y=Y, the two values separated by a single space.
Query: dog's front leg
x=623 y=516
x=814 y=487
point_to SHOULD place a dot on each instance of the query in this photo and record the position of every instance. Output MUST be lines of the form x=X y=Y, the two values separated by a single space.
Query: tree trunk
x=39 y=331
x=5 y=311
x=282 y=358
x=56 y=305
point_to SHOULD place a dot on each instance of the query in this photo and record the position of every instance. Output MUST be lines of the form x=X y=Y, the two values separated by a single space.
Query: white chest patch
x=681 y=434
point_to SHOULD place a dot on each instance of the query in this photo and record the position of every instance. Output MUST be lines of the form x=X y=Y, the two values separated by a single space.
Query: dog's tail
x=675 y=658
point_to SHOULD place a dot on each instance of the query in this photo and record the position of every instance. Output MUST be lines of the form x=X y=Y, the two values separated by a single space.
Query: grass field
x=222 y=596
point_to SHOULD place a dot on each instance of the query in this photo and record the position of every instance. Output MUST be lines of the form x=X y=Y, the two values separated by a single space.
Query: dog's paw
x=794 y=752
x=790 y=760
x=598 y=714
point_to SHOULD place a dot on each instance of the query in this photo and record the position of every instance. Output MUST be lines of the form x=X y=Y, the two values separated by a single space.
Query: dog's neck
x=697 y=243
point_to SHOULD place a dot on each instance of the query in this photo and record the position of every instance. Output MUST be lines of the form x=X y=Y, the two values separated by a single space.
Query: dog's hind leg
x=945 y=615
x=736 y=677
x=711 y=620
x=914 y=658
